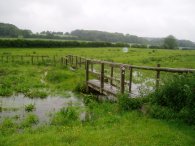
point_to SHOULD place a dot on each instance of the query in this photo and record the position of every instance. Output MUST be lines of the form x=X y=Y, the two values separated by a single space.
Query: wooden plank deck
x=107 y=90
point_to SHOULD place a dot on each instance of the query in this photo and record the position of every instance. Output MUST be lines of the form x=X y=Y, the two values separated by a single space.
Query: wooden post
x=66 y=61
x=80 y=62
x=7 y=59
x=111 y=75
x=32 y=59
x=130 y=78
x=72 y=60
x=122 y=85
x=87 y=75
x=42 y=59
x=102 y=78
x=76 y=61
x=22 y=59
x=69 y=60
x=157 y=77
x=54 y=60
x=12 y=59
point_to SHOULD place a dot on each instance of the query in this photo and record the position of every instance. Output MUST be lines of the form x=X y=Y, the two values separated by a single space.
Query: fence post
x=12 y=59
x=76 y=61
x=157 y=77
x=22 y=59
x=42 y=59
x=130 y=78
x=32 y=59
x=102 y=78
x=54 y=60
x=87 y=74
x=80 y=62
x=122 y=85
x=66 y=62
x=7 y=59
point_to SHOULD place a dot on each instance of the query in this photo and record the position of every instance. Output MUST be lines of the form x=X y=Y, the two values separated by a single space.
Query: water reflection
x=14 y=107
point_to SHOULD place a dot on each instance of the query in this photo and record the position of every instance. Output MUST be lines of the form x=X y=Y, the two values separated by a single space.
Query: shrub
x=126 y=103
x=178 y=94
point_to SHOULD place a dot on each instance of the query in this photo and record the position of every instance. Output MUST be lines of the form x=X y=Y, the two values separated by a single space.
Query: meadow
x=104 y=122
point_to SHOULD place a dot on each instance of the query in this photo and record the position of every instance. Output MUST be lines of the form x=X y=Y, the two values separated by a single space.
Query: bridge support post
x=122 y=85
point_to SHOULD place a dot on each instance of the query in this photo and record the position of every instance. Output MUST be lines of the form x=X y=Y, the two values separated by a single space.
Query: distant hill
x=94 y=35
x=11 y=31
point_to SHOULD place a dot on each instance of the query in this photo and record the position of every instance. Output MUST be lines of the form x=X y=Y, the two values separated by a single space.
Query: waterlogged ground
x=14 y=106
x=61 y=117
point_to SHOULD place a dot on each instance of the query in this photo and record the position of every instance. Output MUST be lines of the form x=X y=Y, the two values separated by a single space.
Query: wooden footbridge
x=105 y=82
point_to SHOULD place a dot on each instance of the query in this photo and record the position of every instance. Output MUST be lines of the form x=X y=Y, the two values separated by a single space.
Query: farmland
x=103 y=123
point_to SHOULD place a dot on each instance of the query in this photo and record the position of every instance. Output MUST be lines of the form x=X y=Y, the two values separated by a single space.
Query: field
x=103 y=123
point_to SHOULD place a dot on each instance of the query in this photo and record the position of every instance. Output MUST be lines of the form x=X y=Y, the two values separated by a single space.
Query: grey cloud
x=140 y=17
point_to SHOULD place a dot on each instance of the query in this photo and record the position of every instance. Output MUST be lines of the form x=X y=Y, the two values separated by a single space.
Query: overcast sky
x=148 y=18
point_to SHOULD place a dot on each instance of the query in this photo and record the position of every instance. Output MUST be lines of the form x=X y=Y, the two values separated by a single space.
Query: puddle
x=44 y=108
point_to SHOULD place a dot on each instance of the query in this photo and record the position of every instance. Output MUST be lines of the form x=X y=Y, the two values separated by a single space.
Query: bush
x=126 y=103
x=178 y=94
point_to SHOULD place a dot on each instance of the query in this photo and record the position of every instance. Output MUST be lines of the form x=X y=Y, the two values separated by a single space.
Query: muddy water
x=14 y=107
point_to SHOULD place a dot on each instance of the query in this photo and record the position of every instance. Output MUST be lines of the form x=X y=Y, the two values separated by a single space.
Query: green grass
x=105 y=123
x=150 y=57
x=107 y=127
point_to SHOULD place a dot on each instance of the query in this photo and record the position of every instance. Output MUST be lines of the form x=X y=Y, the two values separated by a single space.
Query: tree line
x=28 y=43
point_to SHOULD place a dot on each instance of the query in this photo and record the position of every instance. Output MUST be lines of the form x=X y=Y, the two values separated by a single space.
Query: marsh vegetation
x=46 y=104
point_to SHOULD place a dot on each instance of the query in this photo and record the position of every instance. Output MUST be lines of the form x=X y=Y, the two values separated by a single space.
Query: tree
x=170 y=42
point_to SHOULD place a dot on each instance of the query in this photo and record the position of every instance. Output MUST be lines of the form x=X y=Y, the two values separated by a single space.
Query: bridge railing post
x=87 y=74
x=130 y=78
x=111 y=75
x=76 y=61
x=122 y=81
x=102 y=78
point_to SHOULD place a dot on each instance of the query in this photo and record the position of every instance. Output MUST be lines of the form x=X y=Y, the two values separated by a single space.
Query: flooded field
x=16 y=106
